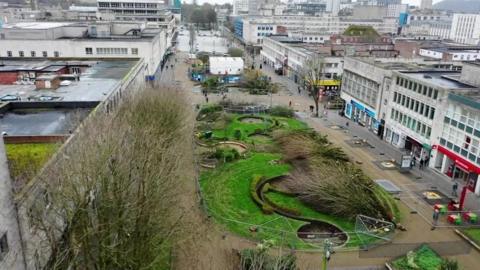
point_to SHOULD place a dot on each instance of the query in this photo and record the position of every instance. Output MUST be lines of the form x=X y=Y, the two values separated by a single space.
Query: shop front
x=362 y=115
x=457 y=168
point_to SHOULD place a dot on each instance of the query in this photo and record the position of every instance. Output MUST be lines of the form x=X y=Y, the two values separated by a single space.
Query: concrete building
x=290 y=55
x=452 y=53
x=466 y=28
x=308 y=26
x=102 y=83
x=367 y=87
x=134 y=10
x=333 y=6
x=426 y=4
x=85 y=41
x=240 y=7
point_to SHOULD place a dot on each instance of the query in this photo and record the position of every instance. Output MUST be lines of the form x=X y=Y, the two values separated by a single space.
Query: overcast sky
x=411 y=2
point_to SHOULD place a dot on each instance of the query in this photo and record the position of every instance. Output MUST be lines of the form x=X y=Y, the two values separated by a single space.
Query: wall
x=8 y=218
x=152 y=50
x=470 y=74
x=8 y=77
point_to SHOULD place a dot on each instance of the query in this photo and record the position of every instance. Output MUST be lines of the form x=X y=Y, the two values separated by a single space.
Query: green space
x=473 y=234
x=281 y=146
x=26 y=159
x=422 y=258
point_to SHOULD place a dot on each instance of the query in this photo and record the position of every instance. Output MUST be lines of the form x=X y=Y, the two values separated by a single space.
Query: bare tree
x=313 y=73
x=111 y=199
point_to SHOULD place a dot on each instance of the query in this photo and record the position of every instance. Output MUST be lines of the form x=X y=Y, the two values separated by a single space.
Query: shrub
x=283 y=208
x=237 y=134
x=260 y=259
x=449 y=265
x=281 y=111
x=257 y=180
x=226 y=154
x=235 y=52
x=210 y=109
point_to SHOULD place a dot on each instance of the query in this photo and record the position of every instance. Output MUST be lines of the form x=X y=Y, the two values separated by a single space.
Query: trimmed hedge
x=282 y=111
x=256 y=181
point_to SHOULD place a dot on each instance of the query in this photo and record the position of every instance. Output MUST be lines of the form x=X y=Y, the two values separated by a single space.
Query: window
x=32 y=53
x=430 y=92
x=44 y=54
x=3 y=245
x=56 y=54
x=88 y=50
x=135 y=51
x=9 y=53
x=416 y=105
x=21 y=53
x=432 y=113
x=435 y=94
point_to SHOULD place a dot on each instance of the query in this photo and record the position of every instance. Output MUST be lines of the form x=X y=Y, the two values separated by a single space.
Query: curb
x=471 y=242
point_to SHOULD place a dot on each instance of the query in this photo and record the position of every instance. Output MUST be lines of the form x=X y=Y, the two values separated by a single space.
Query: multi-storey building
x=290 y=55
x=321 y=25
x=466 y=28
x=426 y=4
x=134 y=10
x=240 y=7
x=85 y=40
x=452 y=53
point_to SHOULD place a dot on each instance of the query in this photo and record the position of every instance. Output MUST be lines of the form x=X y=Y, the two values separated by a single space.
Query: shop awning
x=426 y=146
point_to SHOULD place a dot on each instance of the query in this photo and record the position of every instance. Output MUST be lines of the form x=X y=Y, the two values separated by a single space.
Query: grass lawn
x=424 y=258
x=26 y=159
x=473 y=234
x=249 y=128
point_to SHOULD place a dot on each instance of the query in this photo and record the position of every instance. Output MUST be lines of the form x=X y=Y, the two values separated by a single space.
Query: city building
x=306 y=8
x=290 y=55
x=452 y=53
x=308 y=26
x=127 y=40
x=100 y=86
x=465 y=28
x=138 y=10
x=426 y=4
x=240 y=7
x=333 y=6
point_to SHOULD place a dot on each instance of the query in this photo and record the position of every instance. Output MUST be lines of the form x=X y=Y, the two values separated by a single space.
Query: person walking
x=290 y=103
x=454 y=189
x=436 y=215
x=421 y=163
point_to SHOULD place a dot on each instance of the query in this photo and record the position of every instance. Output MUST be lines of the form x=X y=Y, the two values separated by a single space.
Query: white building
x=426 y=4
x=296 y=25
x=451 y=53
x=85 y=40
x=240 y=7
x=291 y=54
x=466 y=28
x=226 y=65
x=134 y=10
x=333 y=6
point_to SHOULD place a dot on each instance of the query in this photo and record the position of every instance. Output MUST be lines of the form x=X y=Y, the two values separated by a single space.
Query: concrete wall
x=470 y=74
x=8 y=77
x=14 y=259
x=35 y=139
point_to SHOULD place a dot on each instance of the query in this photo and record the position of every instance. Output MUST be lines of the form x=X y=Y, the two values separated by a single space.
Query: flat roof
x=441 y=79
x=36 y=25
x=96 y=82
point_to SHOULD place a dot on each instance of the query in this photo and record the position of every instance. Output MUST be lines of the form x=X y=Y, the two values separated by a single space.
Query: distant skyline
x=200 y=2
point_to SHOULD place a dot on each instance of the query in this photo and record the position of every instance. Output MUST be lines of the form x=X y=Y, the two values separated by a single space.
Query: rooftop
x=96 y=81
x=443 y=79
x=36 y=25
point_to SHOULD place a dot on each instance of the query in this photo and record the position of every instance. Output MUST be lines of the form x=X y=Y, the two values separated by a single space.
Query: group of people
x=422 y=164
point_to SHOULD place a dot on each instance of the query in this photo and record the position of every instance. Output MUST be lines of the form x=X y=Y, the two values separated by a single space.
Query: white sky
x=411 y=2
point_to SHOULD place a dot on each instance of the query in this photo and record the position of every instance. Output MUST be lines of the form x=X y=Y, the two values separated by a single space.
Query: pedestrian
x=299 y=90
x=171 y=66
x=311 y=108
x=436 y=215
x=206 y=99
x=290 y=103
x=421 y=163
x=454 y=189
x=412 y=163
x=347 y=124
x=260 y=66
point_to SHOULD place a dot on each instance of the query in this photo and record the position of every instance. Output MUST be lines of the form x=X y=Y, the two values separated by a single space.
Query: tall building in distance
x=128 y=10
x=466 y=28
x=240 y=7
x=426 y=4
x=333 y=6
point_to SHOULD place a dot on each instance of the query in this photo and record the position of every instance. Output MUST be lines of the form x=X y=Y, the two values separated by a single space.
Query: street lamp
x=327 y=252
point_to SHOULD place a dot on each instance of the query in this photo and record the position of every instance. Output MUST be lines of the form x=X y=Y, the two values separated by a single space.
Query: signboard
x=406 y=162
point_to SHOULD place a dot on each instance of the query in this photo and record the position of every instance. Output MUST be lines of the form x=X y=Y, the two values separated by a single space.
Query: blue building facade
x=238 y=25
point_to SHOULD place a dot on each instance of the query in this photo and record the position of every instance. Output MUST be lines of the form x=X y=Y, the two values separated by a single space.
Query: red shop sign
x=459 y=161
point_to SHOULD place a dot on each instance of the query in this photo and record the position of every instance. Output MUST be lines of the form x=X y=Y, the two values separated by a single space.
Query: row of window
x=104 y=51
x=313 y=38
x=459 y=150
x=126 y=5
x=265 y=28
x=263 y=34
x=462 y=126
x=418 y=88
x=411 y=123
x=414 y=105
x=33 y=54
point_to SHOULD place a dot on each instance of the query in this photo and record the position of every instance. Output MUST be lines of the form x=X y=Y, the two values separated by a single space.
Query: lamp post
x=327 y=252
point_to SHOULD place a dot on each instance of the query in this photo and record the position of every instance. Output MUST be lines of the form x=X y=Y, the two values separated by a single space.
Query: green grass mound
x=422 y=258
x=26 y=159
